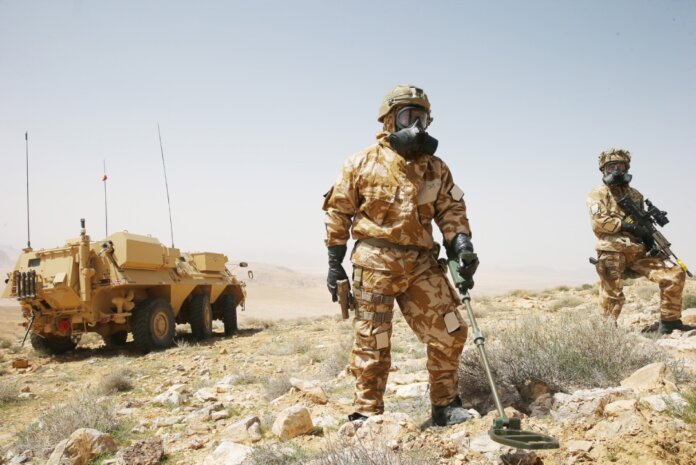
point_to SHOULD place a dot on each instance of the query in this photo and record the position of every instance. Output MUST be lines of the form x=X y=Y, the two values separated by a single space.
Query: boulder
x=585 y=403
x=310 y=390
x=239 y=431
x=83 y=445
x=206 y=394
x=385 y=428
x=620 y=406
x=175 y=395
x=228 y=453
x=410 y=391
x=656 y=377
x=145 y=452
x=292 y=422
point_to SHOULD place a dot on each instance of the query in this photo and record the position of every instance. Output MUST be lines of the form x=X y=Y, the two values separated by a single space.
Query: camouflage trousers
x=429 y=306
x=611 y=268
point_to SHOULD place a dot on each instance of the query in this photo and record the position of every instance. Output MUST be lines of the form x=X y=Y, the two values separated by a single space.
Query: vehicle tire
x=229 y=314
x=51 y=344
x=153 y=325
x=116 y=339
x=201 y=317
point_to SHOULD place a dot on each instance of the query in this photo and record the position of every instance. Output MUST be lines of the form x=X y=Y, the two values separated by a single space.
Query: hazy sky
x=261 y=102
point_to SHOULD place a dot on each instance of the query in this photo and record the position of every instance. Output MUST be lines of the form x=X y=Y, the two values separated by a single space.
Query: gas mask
x=617 y=174
x=410 y=139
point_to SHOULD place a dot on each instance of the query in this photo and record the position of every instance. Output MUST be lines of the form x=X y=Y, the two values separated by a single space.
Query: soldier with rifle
x=627 y=240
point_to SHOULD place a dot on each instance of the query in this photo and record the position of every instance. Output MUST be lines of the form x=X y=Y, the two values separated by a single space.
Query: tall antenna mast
x=26 y=143
x=166 y=184
x=106 y=211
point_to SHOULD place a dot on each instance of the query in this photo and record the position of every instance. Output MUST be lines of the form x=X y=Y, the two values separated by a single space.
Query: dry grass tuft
x=336 y=358
x=9 y=392
x=342 y=453
x=565 y=302
x=82 y=411
x=646 y=292
x=689 y=301
x=276 y=387
x=567 y=351
x=260 y=323
x=119 y=381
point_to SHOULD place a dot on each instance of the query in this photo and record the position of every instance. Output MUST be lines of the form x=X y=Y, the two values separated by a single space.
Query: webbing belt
x=382 y=317
x=384 y=243
x=382 y=299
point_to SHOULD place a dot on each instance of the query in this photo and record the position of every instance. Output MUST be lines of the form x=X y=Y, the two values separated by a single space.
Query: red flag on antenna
x=104 y=178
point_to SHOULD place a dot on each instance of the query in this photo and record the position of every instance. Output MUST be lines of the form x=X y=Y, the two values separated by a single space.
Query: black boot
x=666 y=327
x=356 y=416
x=451 y=414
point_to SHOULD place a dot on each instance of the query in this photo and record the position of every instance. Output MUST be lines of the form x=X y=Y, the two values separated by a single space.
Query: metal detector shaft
x=31 y=322
x=479 y=340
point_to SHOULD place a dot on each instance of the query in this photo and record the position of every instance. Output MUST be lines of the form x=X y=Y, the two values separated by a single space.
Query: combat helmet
x=613 y=155
x=403 y=94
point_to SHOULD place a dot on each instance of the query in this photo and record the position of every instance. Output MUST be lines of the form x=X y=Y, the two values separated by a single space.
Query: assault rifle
x=648 y=219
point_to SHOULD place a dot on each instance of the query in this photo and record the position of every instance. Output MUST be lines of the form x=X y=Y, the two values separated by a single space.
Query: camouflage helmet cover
x=612 y=155
x=402 y=95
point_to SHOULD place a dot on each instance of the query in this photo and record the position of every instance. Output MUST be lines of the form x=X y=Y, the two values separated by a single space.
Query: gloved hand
x=336 y=272
x=463 y=251
x=640 y=232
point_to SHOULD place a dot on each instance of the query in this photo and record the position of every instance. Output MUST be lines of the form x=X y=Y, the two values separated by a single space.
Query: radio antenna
x=26 y=143
x=106 y=210
x=166 y=184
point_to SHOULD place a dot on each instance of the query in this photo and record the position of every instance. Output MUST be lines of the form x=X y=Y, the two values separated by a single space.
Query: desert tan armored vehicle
x=125 y=283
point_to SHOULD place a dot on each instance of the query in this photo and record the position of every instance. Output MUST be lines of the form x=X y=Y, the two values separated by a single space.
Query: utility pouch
x=381 y=340
x=451 y=322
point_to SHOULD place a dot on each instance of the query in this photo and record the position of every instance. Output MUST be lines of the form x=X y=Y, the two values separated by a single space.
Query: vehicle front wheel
x=153 y=325
x=229 y=314
x=201 y=317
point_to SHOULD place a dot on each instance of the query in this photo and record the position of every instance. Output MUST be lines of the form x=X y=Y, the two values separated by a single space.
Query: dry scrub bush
x=646 y=292
x=244 y=379
x=276 y=387
x=9 y=392
x=378 y=454
x=689 y=301
x=260 y=323
x=274 y=454
x=83 y=411
x=336 y=358
x=5 y=344
x=567 y=351
x=565 y=302
x=119 y=381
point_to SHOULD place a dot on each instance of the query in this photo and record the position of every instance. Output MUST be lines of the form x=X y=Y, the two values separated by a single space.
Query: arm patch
x=594 y=208
x=456 y=193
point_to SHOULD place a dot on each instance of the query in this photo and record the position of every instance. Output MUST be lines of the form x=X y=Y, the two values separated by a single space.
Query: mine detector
x=125 y=283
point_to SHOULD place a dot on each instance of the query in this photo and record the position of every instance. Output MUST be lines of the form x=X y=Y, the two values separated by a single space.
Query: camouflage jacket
x=606 y=216
x=381 y=195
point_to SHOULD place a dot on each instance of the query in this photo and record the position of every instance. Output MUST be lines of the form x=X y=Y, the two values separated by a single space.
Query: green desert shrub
x=567 y=351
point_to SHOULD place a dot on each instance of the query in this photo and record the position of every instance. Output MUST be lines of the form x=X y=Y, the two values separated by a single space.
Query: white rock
x=575 y=445
x=326 y=421
x=239 y=430
x=228 y=453
x=292 y=422
x=220 y=415
x=311 y=390
x=661 y=402
x=410 y=391
x=206 y=394
x=585 y=403
x=484 y=444
x=383 y=428
x=620 y=406
x=175 y=395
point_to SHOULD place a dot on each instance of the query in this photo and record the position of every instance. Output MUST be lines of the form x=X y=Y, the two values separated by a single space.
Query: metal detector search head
x=505 y=430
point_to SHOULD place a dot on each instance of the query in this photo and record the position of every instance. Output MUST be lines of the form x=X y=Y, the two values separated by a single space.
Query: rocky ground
x=277 y=392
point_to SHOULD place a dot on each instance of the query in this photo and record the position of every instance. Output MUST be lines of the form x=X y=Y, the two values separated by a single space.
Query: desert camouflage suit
x=390 y=204
x=619 y=252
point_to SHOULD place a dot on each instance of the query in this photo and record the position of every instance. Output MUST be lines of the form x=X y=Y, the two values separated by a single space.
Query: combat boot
x=666 y=327
x=451 y=414
x=357 y=416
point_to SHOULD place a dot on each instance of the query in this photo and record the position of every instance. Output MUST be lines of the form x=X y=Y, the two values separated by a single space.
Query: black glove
x=336 y=272
x=640 y=232
x=463 y=251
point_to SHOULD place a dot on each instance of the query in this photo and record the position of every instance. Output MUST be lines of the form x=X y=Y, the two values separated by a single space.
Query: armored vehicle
x=126 y=283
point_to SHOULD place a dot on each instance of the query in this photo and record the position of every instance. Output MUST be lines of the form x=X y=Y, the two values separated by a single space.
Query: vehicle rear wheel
x=201 y=317
x=153 y=325
x=229 y=314
x=51 y=344
x=116 y=339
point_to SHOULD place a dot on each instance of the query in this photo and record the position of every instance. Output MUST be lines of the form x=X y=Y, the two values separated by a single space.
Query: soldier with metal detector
x=388 y=195
x=627 y=240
